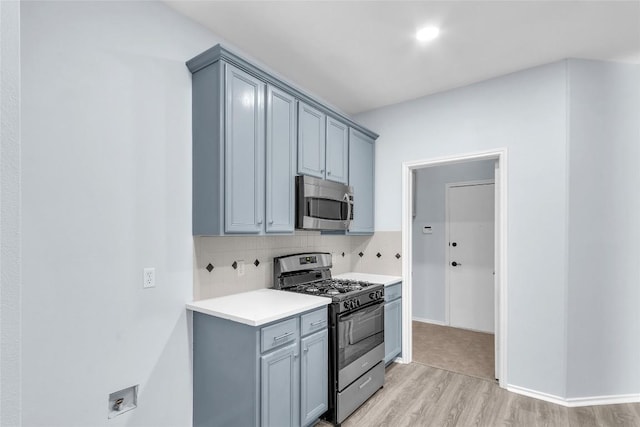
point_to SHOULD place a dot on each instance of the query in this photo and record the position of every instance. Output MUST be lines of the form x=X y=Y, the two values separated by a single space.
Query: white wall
x=571 y=130
x=526 y=113
x=428 y=295
x=604 y=230
x=10 y=255
x=106 y=187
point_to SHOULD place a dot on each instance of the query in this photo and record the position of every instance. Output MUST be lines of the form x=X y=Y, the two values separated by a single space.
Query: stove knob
x=372 y=295
x=357 y=303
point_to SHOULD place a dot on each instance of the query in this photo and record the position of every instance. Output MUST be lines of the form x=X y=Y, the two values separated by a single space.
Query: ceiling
x=362 y=55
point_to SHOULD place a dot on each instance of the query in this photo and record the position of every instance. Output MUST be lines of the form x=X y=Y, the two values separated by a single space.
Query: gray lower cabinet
x=280 y=393
x=392 y=322
x=314 y=372
x=361 y=178
x=273 y=375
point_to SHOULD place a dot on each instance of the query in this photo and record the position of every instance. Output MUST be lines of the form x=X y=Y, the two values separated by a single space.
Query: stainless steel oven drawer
x=359 y=366
x=358 y=392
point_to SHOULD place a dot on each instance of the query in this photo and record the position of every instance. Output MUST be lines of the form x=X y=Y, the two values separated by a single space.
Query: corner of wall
x=10 y=256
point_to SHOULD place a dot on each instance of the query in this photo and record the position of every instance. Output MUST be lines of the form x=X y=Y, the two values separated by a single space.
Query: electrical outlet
x=149 y=277
x=240 y=268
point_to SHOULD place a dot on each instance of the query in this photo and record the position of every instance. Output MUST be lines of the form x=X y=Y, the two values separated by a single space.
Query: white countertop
x=373 y=278
x=256 y=308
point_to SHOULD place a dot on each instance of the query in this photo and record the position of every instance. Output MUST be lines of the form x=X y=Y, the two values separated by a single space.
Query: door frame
x=499 y=154
x=447 y=186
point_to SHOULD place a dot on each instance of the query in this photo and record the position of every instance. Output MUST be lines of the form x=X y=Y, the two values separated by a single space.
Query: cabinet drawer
x=314 y=321
x=276 y=335
x=393 y=292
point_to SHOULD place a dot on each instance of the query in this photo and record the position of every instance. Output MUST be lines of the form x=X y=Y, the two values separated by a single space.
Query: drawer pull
x=283 y=336
x=365 y=383
x=319 y=322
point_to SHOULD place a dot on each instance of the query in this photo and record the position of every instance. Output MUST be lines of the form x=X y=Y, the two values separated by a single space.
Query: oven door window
x=359 y=332
x=335 y=210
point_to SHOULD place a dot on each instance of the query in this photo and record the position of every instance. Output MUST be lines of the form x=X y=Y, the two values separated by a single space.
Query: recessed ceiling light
x=427 y=33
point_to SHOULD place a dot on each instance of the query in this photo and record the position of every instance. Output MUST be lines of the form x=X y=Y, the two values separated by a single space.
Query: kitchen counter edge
x=257 y=308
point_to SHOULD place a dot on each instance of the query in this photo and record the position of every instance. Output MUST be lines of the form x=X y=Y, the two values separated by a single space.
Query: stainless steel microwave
x=322 y=204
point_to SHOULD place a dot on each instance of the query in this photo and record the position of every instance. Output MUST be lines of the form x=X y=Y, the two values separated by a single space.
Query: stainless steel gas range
x=356 y=331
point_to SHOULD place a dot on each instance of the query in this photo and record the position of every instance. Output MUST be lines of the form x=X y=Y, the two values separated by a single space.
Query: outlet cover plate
x=149 y=277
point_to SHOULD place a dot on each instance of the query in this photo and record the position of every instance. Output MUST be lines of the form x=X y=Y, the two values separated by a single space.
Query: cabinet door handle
x=329 y=173
x=271 y=222
x=319 y=322
x=283 y=336
x=306 y=349
x=365 y=383
x=321 y=170
x=295 y=355
x=259 y=221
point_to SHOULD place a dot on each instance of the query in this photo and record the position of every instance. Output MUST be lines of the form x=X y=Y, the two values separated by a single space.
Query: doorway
x=413 y=230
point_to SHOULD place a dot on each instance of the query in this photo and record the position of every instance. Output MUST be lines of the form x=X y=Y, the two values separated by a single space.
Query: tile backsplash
x=221 y=252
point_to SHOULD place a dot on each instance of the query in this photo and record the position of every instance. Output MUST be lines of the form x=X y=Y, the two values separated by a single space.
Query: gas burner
x=355 y=287
x=332 y=292
x=312 y=289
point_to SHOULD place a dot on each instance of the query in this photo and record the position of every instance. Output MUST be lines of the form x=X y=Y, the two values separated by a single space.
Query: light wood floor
x=419 y=395
x=453 y=349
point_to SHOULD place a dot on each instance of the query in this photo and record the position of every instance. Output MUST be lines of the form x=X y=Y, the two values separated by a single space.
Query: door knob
x=455 y=264
x=454 y=244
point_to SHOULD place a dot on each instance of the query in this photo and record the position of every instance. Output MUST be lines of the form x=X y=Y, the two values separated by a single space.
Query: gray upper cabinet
x=337 y=151
x=311 y=141
x=323 y=145
x=252 y=133
x=361 y=178
x=244 y=152
x=281 y=161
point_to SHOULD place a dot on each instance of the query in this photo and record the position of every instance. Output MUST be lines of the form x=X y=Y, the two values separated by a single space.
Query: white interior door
x=471 y=223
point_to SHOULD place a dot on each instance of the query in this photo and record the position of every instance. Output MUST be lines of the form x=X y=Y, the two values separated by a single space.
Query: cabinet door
x=311 y=141
x=314 y=373
x=392 y=329
x=281 y=160
x=337 y=147
x=280 y=392
x=361 y=178
x=244 y=152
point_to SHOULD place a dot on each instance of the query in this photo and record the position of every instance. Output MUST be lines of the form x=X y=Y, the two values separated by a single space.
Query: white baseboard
x=573 y=402
x=435 y=322
x=603 y=400
x=537 y=395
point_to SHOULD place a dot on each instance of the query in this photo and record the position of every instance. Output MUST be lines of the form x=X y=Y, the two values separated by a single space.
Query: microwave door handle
x=346 y=198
